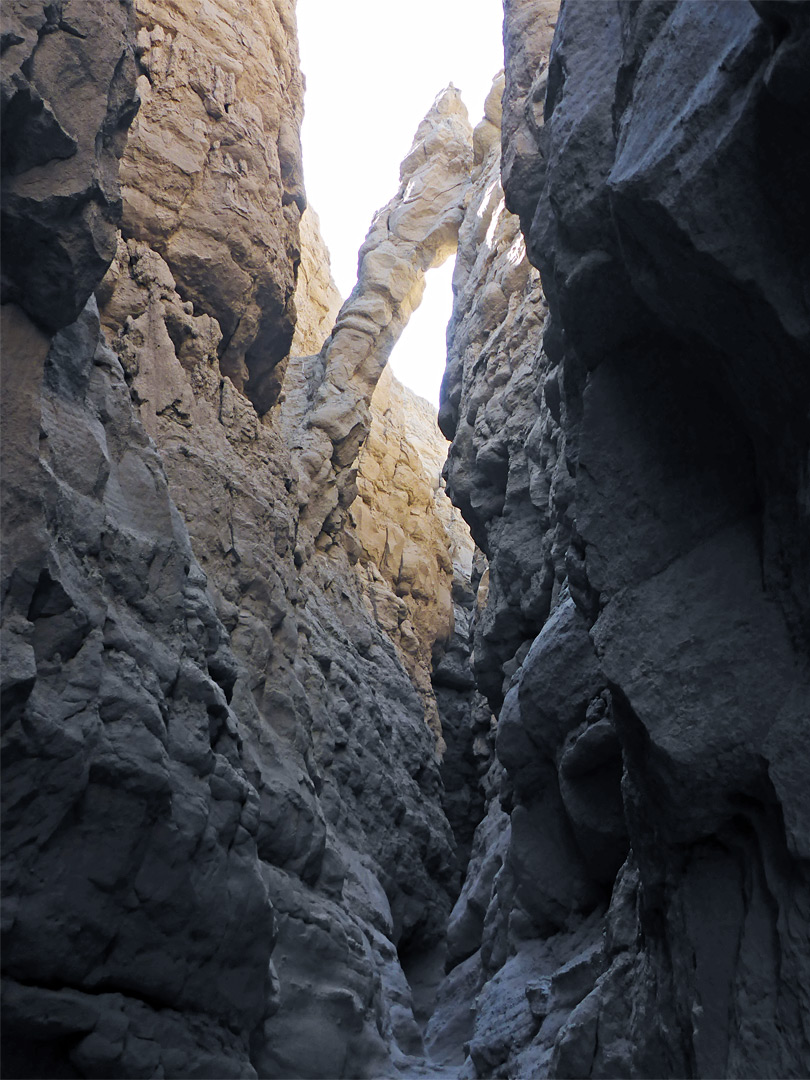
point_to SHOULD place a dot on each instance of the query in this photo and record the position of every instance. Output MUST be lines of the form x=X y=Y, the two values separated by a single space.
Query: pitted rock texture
x=327 y=413
x=121 y=753
x=212 y=173
x=528 y=28
x=215 y=758
x=339 y=697
x=678 y=410
x=652 y=732
x=339 y=750
x=498 y=464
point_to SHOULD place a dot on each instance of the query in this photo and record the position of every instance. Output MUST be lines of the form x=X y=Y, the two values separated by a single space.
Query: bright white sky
x=373 y=69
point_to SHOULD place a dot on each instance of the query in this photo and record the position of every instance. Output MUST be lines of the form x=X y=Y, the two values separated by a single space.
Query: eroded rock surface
x=328 y=401
x=213 y=753
x=359 y=856
x=317 y=298
x=413 y=541
x=61 y=197
x=121 y=753
x=496 y=471
x=226 y=832
x=648 y=718
x=212 y=174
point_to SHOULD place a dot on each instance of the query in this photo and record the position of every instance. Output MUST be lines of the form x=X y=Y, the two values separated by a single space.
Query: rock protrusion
x=416 y=230
x=61 y=201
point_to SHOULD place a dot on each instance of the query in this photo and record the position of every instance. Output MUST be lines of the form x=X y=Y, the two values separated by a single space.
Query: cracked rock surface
x=655 y=835
x=214 y=755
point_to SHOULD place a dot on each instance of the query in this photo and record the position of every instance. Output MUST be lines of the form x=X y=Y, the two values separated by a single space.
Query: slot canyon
x=343 y=738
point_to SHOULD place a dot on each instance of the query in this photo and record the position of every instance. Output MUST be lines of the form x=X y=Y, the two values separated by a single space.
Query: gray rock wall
x=222 y=803
x=645 y=904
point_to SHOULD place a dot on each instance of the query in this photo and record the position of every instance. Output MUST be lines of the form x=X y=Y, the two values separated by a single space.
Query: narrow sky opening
x=372 y=72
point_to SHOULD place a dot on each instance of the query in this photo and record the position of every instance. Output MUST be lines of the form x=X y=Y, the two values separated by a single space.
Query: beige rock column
x=415 y=231
x=410 y=535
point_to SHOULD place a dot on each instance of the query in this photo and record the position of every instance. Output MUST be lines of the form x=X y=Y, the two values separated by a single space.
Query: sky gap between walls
x=372 y=71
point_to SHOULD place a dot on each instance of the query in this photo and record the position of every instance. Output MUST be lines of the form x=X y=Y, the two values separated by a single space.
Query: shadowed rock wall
x=121 y=755
x=222 y=801
x=653 y=731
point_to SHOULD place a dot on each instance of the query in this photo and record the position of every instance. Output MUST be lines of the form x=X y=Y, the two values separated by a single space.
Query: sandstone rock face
x=339 y=752
x=123 y=955
x=216 y=758
x=651 y=731
x=327 y=402
x=317 y=299
x=411 y=537
x=212 y=175
x=121 y=752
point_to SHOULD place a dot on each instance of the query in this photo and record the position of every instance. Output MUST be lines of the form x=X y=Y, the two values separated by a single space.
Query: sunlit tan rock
x=411 y=536
x=317 y=298
x=416 y=230
x=211 y=175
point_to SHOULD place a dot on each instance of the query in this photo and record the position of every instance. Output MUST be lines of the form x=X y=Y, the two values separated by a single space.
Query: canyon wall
x=222 y=796
x=250 y=659
x=641 y=908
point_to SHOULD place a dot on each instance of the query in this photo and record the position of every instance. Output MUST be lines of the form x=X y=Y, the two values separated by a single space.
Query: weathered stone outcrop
x=60 y=199
x=528 y=28
x=212 y=174
x=123 y=953
x=412 y=540
x=121 y=752
x=227 y=573
x=701 y=624
x=214 y=755
x=327 y=413
x=317 y=299
x=495 y=469
x=355 y=849
x=540 y=874
x=652 y=731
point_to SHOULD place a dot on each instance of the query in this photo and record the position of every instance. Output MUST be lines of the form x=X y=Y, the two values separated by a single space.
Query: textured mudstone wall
x=212 y=175
x=222 y=800
x=411 y=537
x=642 y=910
x=358 y=856
x=121 y=755
x=317 y=298
x=225 y=822
x=61 y=197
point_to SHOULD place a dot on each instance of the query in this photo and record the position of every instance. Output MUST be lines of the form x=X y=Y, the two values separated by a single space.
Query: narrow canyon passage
x=345 y=738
